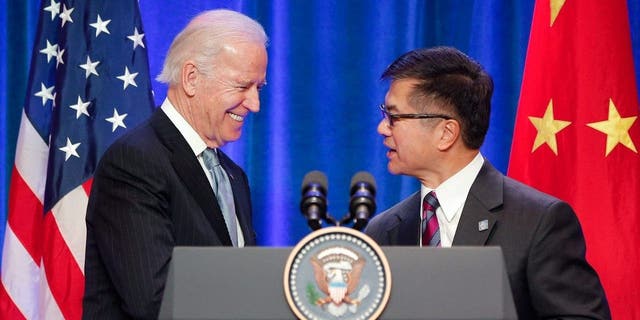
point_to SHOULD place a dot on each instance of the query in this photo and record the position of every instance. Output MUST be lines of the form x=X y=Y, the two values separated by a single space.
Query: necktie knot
x=429 y=203
x=210 y=158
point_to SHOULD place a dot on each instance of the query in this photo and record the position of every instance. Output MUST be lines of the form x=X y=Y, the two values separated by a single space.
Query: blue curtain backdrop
x=319 y=108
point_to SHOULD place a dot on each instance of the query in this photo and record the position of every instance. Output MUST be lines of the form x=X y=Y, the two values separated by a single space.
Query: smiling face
x=220 y=102
x=412 y=143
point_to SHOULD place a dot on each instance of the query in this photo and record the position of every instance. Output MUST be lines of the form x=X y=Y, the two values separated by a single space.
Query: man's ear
x=450 y=133
x=189 y=77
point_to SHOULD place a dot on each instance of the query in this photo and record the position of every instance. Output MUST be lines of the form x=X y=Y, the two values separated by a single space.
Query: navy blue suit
x=150 y=194
x=540 y=237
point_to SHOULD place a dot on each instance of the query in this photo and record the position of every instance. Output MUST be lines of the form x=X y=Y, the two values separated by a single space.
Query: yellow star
x=616 y=129
x=555 y=6
x=547 y=128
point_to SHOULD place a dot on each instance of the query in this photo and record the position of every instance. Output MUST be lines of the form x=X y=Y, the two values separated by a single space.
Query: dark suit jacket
x=150 y=194
x=540 y=237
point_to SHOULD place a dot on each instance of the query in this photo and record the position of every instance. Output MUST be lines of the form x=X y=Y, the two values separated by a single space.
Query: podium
x=427 y=283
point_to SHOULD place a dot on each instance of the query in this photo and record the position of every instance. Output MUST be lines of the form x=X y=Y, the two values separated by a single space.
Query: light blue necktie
x=222 y=190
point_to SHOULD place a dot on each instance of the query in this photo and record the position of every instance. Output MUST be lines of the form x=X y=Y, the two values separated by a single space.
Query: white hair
x=204 y=37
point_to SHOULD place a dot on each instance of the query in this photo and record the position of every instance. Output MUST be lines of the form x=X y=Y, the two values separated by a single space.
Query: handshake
x=362 y=205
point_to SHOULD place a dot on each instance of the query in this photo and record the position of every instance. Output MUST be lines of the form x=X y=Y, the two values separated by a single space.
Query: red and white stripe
x=43 y=255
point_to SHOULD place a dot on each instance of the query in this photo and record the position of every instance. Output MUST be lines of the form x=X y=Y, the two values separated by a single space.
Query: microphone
x=314 y=198
x=363 y=199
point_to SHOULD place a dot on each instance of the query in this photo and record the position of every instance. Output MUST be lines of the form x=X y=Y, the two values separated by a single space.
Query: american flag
x=89 y=82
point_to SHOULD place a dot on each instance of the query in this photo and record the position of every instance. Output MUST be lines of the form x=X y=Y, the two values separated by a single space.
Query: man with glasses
x=435 y=118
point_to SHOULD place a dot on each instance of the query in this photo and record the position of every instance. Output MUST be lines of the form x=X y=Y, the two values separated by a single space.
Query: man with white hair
x=166 y=183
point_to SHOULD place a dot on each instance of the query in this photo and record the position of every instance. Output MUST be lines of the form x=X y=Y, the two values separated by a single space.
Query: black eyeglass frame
x=391 y=117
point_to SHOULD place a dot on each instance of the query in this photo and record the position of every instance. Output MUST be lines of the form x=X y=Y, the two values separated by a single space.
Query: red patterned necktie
x=429 y=222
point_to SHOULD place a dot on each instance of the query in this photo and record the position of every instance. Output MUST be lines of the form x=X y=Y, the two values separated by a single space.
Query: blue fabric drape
x=318 y=110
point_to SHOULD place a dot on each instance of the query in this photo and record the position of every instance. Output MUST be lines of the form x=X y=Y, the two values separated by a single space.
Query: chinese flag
x=576 y=133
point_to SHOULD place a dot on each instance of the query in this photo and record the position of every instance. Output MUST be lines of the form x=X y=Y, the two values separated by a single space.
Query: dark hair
x=451 y=78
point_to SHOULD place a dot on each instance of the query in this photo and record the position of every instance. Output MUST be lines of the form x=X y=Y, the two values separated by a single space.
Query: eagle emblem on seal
x=337 y=272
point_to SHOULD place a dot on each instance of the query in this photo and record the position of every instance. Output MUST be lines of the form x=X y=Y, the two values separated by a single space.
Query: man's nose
x=383 y=128
x=252 y=101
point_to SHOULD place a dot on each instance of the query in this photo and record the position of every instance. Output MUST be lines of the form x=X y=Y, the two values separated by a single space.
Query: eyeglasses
x=390 y=117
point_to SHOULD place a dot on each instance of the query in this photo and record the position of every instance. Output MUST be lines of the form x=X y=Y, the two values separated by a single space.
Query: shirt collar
x=452 y=193
x=193 y=139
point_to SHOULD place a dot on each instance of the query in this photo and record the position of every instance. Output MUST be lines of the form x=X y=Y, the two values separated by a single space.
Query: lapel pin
x=483 y=225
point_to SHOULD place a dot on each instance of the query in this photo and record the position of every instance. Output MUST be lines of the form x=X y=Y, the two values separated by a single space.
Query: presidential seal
x=337 y=273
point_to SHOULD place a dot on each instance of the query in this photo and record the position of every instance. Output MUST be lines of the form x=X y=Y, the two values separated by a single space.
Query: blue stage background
x=319 y=109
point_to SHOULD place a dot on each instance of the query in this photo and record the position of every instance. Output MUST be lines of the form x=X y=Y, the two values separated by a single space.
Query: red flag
x=89 y=82
x=577 y=133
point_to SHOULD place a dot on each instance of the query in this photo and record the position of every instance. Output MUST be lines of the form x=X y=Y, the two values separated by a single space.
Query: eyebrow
x=243 y=82
x=391 y=107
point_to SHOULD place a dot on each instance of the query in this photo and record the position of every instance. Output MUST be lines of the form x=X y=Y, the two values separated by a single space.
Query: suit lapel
x=407 y=229
x=478 y=217
x=188 y=168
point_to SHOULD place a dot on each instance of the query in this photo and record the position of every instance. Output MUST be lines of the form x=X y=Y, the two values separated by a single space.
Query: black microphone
x=314 y=198
x=363 y=199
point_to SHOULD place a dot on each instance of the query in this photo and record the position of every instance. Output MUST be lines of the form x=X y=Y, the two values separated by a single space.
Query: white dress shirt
x=452 y=195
